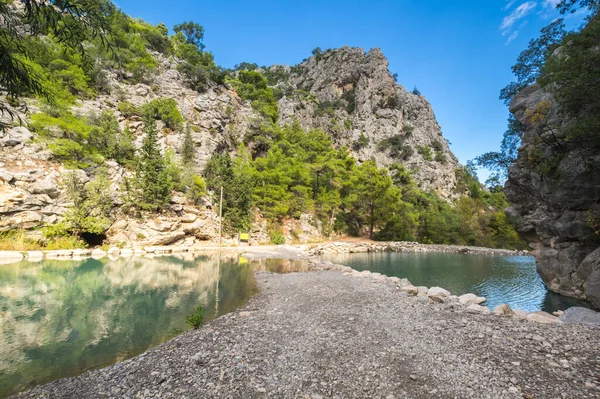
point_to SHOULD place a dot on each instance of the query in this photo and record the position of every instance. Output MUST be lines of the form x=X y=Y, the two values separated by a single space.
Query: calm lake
x=61 y=318
x=501 y=279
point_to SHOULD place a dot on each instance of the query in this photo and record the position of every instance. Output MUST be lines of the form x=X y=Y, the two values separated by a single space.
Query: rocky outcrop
x=346 y=92
x=351 y=94
x=552 y=211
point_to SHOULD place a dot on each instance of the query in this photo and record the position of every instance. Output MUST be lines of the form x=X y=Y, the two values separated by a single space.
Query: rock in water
x=579 y=315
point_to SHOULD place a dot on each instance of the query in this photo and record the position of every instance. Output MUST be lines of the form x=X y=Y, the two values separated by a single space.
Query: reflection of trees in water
x=59 y=318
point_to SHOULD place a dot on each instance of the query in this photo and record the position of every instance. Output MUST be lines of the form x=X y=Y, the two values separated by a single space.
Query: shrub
x=391 y=102
x=91 y=205
x=196 y=319
x=437 y=146
x=396 y=147
x=350 y=97
x=276 y=236
x=195 y=186
x=108 y=139
x=425 y=152
x=361 y=142
x=128 y=110
x=196 y=76
x=164 y=109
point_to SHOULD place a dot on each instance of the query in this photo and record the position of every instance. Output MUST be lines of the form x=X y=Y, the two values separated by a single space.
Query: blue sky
x=458 y=53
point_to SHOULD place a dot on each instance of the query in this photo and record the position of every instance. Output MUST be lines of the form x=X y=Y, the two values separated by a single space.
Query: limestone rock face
x=552 y=214
x=347 y=92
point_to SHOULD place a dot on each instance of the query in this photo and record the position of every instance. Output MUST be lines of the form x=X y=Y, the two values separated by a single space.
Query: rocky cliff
x=347 y=92
x=352 y=95
x=554 y=211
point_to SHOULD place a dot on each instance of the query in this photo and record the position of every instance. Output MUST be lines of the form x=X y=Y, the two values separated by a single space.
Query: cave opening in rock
x=93 y=239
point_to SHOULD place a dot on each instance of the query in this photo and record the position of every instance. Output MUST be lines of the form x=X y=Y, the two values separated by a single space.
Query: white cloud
x=518 y=13
x=551 y=3
x=509 y=4
x=512 y=37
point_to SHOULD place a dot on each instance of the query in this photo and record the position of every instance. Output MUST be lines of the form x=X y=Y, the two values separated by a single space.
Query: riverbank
x=330 y=334
x=297 y=251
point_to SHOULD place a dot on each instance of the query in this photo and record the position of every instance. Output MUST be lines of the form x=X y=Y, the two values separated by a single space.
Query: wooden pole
x=221 y=218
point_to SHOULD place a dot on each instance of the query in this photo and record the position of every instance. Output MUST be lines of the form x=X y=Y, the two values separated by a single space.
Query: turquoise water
x=61 y=318
x=501 y=279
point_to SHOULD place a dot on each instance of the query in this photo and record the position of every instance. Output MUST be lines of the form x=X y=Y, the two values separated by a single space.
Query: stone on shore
x=471 y=299
x=35 y=256
x=12 y=255
x=520 y=314
x=503 y=310
x=60 y=253
x=542 y=317
x=438 y=292
x=474 y=308
x=579 y=315
x=422 y=291
x=98 y=253
x=410 y=289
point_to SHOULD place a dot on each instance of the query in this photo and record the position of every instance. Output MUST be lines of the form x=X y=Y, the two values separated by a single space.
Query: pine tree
x=188 y=150
x=152 y=177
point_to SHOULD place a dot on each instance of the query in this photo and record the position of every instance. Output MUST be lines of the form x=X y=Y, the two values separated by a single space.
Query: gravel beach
x=324 y=334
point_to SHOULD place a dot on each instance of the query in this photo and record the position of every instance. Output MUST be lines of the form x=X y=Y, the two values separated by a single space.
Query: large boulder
x=579 y=315
x=46 y=186
x=16 y=135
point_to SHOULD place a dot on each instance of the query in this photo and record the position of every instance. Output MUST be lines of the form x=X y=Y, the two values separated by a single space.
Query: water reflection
x=60 y=318
x=501 y=279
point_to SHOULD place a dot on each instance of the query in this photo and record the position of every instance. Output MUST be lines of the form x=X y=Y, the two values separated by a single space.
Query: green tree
x=376 y=198
x=153 y=183
x=91 y=204
x=222 y=171
x=188 y=149
x=531 y=61
x=193 y=32
x=70 y=23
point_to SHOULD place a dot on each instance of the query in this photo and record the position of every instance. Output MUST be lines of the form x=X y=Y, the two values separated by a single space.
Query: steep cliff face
x=352 y=95
x=553 y=211
x=348 y=93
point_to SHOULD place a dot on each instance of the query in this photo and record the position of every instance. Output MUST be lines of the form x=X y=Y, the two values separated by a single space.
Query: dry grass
x=17 y=240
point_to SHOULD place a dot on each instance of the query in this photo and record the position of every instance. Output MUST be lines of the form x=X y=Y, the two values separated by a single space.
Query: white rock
x=542 y=317
x=520 y=314
x=503 y=310
x=35 y=256
x=82 y=252
x=474 y=308
x=422 y=290
x=438 y=291
x=61 y=253
x=12 y=255
x=410 y=289
x=470 y=299
x=127 y=252
x=98 y=253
